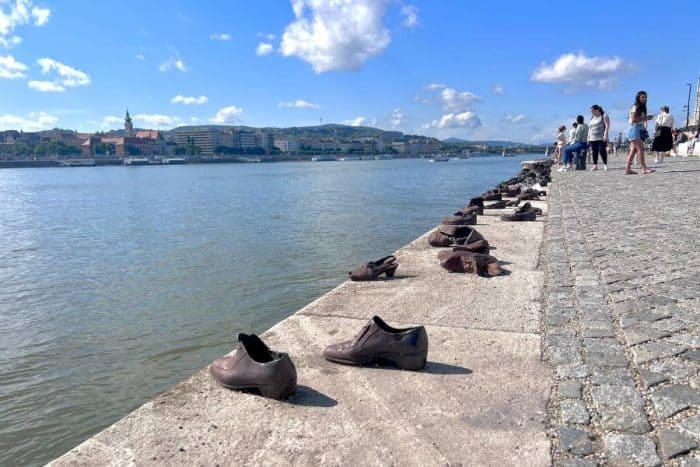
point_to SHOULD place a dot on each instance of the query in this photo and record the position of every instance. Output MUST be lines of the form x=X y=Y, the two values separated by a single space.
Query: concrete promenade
x=587 y=354
x=482 y=399
x=622 y=321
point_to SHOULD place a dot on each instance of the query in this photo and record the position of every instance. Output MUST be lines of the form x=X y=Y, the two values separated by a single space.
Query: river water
x=118 y=282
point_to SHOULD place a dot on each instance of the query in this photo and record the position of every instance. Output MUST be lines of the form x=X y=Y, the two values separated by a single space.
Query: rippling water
x=117 y=282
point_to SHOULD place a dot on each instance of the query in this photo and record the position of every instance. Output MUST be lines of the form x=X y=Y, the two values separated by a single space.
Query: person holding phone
x=637 y=133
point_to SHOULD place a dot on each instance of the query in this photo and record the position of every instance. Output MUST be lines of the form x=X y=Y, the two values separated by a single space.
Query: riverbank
x=481 y=400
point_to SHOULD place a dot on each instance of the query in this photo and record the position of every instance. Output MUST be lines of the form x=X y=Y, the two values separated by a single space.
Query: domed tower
x=128 y=125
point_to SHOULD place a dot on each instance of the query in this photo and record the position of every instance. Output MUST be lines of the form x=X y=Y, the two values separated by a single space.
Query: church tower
x=128 y=125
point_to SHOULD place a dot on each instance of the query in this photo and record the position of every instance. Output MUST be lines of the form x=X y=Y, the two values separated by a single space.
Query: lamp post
x=687 y=112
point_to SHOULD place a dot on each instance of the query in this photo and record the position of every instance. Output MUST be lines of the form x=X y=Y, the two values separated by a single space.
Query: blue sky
x=474 y=70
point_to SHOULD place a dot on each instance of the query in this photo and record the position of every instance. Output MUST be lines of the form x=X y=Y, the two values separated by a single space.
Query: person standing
x=598 y=129
x=637 y=133
x=561 y=144
x=663 y=134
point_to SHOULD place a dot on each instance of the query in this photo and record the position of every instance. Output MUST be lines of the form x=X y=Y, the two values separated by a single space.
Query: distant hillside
x=507 y=144
x=321 y=131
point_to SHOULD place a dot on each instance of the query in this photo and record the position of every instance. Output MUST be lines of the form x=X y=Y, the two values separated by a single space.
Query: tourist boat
x=174 y=160
x=77 y=163
x=136 y=161
x=383 y=157
x=350 y=158
x=322 y=158
x=439 y=158
x=506 y=154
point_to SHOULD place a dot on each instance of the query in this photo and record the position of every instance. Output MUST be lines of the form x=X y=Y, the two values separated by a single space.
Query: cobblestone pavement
x=622 y=321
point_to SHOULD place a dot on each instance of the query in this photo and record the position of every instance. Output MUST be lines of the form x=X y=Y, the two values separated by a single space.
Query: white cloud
x=451 y=120
x=189 y=100
x=177 y=63
x=455 y=101
x=35 y=122
x=410 y=15
x=335 y=35
x=498 y=89
x=578 y=70
x=359 y=121
x=68 y=76
x=45 y=86
x=434 y=86
x=19 y=13
x=263 y=48
x=220 y=36
x=110 y=120
x=157 y=120
x=298 y=104
x=141 y=57
x=451 y=100
x=515 y=118
x=398 y=118
x=11 y=68
x=227 y=115
x=41 y=16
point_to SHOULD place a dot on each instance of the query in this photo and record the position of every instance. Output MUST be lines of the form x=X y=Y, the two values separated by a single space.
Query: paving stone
x=655 y=350
x=651 y=378
x=570 y=389
x=690 y=338
x=670 y=325
x=676 y=368
x=575 y=441
x=620 y=408
x=573 y=412
x=575 y=370
x=642 y=332
x=597 y=328
x=691 y=426
x=672 y=443
x=631 y=450
x=601 y=376
x=604 y=352
x=672 y=399
x=692 y=355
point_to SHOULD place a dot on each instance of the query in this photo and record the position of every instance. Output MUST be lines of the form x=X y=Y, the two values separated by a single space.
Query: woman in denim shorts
x=638 y=122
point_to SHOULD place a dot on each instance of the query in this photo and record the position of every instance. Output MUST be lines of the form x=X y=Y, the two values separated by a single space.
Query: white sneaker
x=605 y=168
x=595 y=167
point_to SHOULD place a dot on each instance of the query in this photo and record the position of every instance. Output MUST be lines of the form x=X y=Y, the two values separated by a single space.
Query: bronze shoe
x=255 y=367
x=373 y=269
x=378 y=342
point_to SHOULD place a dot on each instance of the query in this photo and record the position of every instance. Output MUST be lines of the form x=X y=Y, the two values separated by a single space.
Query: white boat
x=77 y=163
x=322 y=158
x=439 y=158
x=350 y=158
x=506 y=154
x=546 y=151
x=384 y=157
x=136 y=161
x=174 y=160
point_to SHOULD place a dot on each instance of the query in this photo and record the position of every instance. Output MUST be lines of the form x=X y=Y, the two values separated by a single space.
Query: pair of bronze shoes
x=460 y=259
x=526 y=212
x=452 y=235
x=255 y=367
x=373 y=269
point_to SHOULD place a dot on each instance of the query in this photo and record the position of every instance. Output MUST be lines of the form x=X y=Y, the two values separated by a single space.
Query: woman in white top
x=637 y=133
x=663 y=134
x=561 y=144
x=598 y=128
